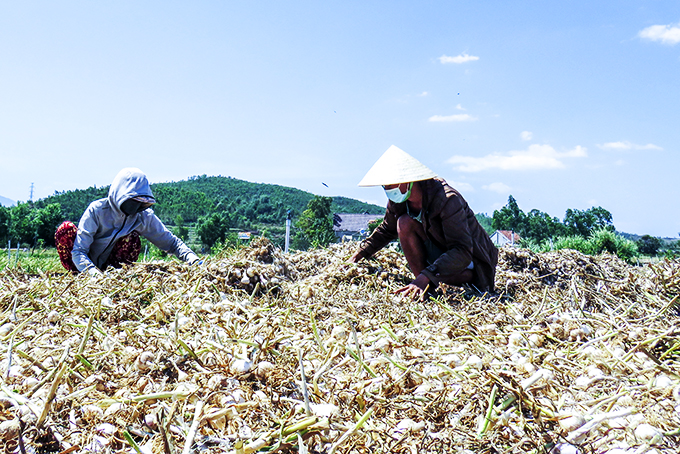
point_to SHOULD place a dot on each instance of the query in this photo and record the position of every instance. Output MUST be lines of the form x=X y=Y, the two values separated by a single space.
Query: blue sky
x=561 y=104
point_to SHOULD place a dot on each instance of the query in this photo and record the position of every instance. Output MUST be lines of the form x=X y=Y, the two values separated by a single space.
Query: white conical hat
x=396 y=166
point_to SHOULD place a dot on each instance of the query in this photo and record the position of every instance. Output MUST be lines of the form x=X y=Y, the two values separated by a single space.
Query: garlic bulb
x=53 y=317
x=406 y=425
x=92 y=413
x=9 y=429
x=264 y=369
x=516 y=339
x=324 y=410
x=565 y=448
x=6 y=329
x=663 y=381
x=572 y=423
x=215 y=382
x=648 y=433
x=474 y=362
x=536 y=340
x=151 y=421
x=6 y=402
x=144 y=361
x=490 y=329
x=339 y=332
x=106 y=429
x=241 y=366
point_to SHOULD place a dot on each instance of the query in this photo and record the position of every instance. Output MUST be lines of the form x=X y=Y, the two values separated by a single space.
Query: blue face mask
x=396 y=196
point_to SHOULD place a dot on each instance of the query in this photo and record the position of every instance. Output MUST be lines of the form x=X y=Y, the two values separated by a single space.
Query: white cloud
x=536 y=157
x=649 y=146
x=667 y=34
x=423 y=93
x=462 y=58
x=461 y=186
x=615 y=146
x=625 y=145
x=450 y=118
x=460 y=107
x=498 y=187
x=527 y=135
x=577 y=152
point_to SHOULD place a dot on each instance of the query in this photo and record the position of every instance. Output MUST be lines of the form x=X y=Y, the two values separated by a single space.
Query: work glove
x=95 y=273
x=194 y=260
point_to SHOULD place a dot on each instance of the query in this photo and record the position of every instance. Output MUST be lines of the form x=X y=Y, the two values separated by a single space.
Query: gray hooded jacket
x=103 y=223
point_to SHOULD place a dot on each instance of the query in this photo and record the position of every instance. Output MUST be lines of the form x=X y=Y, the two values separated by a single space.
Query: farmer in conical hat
x=109 y=230
x=440 y=236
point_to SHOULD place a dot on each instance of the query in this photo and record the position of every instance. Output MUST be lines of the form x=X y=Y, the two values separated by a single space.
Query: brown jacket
x=451 y=225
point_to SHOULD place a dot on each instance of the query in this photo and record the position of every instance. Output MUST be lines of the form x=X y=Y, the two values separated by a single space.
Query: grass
x=31 y=261
x=35 y=261
x=599 y=241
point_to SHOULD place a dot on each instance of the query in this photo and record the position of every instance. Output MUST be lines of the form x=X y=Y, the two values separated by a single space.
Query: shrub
x=372 y=225
x=315 y=224
x=534 y=246
x=212 y=229
x=627 y=250
x=672 y=250
x=649 y=245
x=601 y=240
x=605 y=240
x=575 y=242
x=226 y=247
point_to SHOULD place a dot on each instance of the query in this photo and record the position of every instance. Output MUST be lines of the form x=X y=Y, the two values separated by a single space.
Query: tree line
x=539 y=226
x=591 y=231
x=213 y=205
x=28 y=225
x=244 y=202
x=313 y=228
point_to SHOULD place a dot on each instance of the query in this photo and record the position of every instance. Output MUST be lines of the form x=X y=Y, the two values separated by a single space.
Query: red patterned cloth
x=64 y=239
x=125 y=251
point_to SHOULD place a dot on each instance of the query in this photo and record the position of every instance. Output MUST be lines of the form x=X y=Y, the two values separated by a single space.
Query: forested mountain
x=244 y=202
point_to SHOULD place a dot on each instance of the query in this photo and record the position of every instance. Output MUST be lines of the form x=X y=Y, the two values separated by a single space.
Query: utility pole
x=287 y=242
x=31 y=198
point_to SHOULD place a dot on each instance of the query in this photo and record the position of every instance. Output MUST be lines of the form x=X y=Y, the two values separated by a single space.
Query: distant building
x=352 y=225
x=503 y=237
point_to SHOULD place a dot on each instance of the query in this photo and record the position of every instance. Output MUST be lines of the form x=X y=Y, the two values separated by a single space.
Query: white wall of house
x=499 y=239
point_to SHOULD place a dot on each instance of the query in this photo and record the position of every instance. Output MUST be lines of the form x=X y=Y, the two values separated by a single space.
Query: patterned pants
x=125 y=251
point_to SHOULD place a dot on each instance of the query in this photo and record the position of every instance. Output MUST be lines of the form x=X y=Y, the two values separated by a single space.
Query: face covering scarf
x=132 y=206
x=396 y=196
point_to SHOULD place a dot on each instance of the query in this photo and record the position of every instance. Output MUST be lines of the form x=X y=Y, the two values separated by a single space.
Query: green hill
x=246 y=203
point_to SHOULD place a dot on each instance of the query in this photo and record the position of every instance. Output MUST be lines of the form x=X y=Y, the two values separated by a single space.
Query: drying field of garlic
x=261 y=351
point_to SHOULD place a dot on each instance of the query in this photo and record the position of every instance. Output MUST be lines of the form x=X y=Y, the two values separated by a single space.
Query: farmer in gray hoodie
x=109 y=230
